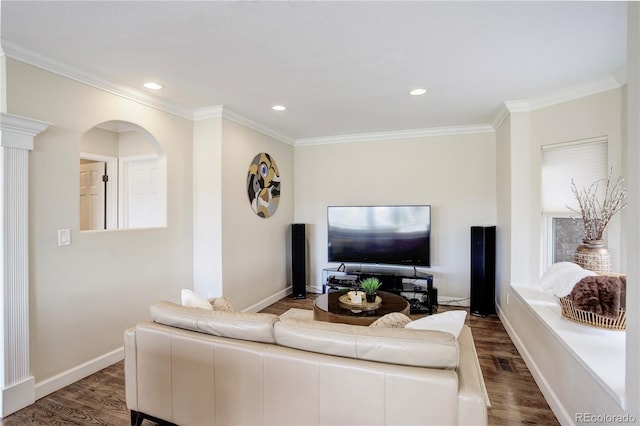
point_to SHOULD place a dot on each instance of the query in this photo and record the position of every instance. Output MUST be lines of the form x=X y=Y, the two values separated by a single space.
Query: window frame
x=548 y=237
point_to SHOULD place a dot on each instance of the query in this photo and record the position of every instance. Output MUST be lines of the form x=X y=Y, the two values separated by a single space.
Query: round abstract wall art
x=263 y=185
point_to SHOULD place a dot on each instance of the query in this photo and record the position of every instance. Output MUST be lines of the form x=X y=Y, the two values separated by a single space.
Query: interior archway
x=122 y=176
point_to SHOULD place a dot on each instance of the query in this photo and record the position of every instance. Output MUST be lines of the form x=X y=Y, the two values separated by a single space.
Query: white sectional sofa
x=194 y=367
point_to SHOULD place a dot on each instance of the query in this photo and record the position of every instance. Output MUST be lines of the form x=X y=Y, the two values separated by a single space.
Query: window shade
x=584 y=161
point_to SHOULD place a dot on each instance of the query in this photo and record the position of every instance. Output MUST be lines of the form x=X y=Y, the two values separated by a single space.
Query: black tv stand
x=413 y=285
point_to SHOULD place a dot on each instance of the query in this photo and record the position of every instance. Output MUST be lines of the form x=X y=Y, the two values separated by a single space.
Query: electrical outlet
x=64 y=237
x=507 y=297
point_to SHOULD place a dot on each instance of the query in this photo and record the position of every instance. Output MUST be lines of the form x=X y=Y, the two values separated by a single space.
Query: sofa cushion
x=235 y=325
x=420 y=348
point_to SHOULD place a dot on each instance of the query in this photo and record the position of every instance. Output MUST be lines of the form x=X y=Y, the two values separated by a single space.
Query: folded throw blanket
x=601 y=294
x=561 y=277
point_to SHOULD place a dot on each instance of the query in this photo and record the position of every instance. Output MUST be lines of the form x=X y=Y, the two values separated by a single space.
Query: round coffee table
x=327 y=308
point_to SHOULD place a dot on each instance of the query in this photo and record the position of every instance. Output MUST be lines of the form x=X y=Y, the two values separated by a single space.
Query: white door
x=92 y=196
x=144 y=195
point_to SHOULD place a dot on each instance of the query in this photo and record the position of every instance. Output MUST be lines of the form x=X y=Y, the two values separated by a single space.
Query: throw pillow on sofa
x=449 y=322
x=392 y=320
x=221 y=304
x=194 y=300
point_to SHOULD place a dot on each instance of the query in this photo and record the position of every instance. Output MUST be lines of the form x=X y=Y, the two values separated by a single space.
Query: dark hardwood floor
x=99 y=399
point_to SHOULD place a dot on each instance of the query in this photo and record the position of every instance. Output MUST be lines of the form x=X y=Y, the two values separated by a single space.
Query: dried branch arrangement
x=596 y=214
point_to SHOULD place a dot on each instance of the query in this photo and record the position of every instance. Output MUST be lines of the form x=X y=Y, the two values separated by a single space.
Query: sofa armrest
x=130 y=369
x=472 y=394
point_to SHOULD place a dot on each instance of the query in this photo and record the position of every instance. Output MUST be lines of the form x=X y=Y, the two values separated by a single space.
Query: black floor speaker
x=298 y=261
x=483 y=270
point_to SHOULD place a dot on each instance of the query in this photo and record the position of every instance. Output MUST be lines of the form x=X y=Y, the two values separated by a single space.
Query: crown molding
x=569 y=94
x=18 y=132
x=22 y=125
x=574 y=92
x=503 y=113
x=518 y=106
x=208 y=112
x=20 y=53
x=610 y=82
x=621 y=75
x=221 y=111
x=247 y=122
x=402 y=134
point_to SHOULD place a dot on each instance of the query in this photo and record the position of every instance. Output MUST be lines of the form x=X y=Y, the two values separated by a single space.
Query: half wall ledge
x=578 y=368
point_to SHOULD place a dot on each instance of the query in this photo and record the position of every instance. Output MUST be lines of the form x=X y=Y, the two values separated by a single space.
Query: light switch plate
x=64 y=237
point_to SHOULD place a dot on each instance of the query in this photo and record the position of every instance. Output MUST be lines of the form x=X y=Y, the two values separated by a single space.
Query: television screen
x=394 y=235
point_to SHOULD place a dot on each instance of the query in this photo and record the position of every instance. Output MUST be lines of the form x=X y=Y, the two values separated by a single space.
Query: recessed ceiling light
x=418 y=92
x=278 y=107
x=153 y=86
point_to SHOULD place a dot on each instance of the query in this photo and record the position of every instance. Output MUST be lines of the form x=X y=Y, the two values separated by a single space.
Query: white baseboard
x=552 y=399
x=453 y=301
x=81 y=371
x=268 y=301
x=315 y=290
x=17 y=396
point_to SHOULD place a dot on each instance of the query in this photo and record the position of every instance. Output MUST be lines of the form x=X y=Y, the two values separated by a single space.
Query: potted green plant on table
x=370 y=287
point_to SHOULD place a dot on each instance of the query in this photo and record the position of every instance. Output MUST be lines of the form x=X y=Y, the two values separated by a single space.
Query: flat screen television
x=392 y=235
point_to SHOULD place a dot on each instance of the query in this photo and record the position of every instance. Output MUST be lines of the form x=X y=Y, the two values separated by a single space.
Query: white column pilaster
x=16 y=382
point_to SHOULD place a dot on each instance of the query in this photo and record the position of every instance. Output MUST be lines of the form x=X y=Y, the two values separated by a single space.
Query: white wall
x=523 y=134
x=523 y=197
x=631 y=217
x=207 y=207
x=133 y=143
x=456 y=175
x=100 y=141
x=237 y=254
x=254 y=250
x=113 y=144
x=503 y=207
x=565 y=382
x=84 y=295
x=588 y=117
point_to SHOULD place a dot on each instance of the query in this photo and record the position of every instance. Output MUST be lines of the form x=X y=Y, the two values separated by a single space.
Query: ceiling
x=340 y=68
